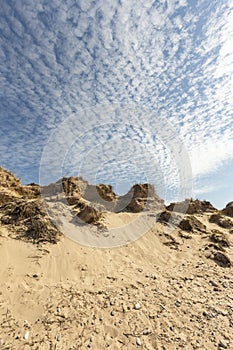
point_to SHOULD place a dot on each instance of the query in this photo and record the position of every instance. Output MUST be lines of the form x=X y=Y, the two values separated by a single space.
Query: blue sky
x=106 y=75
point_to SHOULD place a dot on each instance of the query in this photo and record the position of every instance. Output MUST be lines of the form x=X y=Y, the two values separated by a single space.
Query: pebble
x=162 y=306
x=231 y=323
x=178 y=303
x=146 y=332
x=222 y=344
x=58 y=309
x=224 y=313
x=26 y=336
x=213 y=283
x=91 y=339
x=138 y=342
x=113 y=313
x=137 y=306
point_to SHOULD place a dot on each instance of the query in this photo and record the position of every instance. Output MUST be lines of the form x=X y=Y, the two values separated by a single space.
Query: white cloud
x=61 y=58
x=204 y=190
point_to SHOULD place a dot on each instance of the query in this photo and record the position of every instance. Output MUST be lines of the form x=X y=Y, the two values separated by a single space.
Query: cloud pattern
x=59 y=59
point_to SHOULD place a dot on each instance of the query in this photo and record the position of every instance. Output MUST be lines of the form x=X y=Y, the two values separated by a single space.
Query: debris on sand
x=169 y=217
x=89 y=214
x=228 y=210
x=222 y=259
x=139 y=198
x=188 y=223
x=221 y=220
x=30 y=221
x=219 y=238
x=191 y=206
x=192 y=224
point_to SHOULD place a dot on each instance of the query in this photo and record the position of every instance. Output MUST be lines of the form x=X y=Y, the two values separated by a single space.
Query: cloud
x=204 y=190
x=118 y=147
x=89 y=59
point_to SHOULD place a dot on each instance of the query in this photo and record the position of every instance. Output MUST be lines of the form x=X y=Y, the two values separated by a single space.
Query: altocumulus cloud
x=59 y=59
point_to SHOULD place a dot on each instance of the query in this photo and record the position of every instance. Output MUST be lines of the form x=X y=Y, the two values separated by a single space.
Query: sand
x=127 y=281
x=160 y=292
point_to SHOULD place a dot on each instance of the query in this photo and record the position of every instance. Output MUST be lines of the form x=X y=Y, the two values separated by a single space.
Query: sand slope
x=170 y=289
x=156 y=293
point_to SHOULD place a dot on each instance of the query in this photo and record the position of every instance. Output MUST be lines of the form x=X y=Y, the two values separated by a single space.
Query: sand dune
x=169 y=289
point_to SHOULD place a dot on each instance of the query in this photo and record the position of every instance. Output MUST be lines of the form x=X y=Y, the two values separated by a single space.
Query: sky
x=119 y=91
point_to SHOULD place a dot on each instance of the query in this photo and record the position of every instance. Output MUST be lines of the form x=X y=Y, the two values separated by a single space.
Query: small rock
x=112 y=313
x=231 y=323
x=58 y=309
x=222 y=344
x=146 y=332
x=26 y=336
x=222 y=259
x=35 y=275
x=178 y=303
x=138 y=342
x=1 y=342
x=58 y=337
x=214 y=284
x=137 y=306
x=224 y=313
x=162 y=306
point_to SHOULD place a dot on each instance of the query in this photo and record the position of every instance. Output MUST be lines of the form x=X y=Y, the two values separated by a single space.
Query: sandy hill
x=170 y=289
